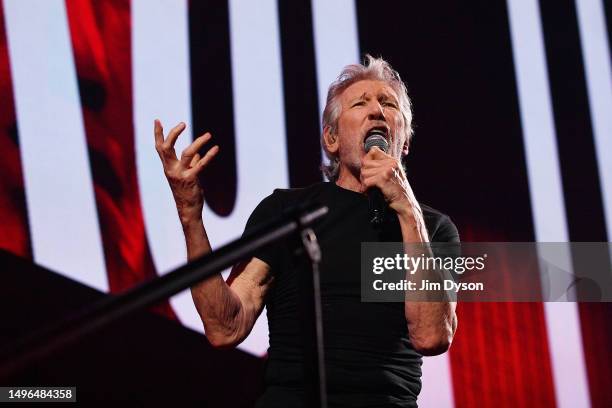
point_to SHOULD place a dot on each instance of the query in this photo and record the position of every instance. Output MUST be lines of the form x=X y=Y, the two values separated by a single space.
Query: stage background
x=513 y=140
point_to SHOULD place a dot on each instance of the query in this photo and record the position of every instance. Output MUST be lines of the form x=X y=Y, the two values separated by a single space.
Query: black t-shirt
x=369 y=359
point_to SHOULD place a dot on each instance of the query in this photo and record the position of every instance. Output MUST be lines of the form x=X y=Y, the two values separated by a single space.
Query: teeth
x=378 y=130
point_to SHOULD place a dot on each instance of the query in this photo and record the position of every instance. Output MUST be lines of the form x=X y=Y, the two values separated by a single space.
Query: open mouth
x=373 y=138
x=381 y=130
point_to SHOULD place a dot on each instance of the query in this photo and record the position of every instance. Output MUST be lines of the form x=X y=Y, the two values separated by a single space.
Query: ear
x=331 y=140
x=406 y=148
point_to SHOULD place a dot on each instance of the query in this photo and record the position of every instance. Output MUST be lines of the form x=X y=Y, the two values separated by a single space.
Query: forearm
x=219 y=307
x=431 y=324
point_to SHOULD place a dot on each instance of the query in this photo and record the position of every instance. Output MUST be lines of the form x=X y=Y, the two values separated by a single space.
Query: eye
x=391 y=104
x=359 y=103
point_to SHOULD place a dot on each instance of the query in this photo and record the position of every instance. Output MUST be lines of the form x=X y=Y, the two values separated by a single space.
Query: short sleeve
x=446 y=231
x=268 y=209
x=445 y=240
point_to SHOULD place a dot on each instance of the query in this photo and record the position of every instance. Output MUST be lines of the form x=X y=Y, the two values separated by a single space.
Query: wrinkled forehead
x=368 y=88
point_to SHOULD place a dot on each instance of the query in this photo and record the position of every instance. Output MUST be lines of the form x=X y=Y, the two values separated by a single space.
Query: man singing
x=373 y=351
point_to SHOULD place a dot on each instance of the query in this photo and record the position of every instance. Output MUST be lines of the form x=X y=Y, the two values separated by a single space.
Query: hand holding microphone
x=384 y=179
x=378 y=205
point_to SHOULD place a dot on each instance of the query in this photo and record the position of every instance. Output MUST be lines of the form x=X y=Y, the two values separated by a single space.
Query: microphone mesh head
x=376 y=137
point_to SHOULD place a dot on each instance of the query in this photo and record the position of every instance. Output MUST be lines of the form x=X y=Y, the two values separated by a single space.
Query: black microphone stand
x=28 y=350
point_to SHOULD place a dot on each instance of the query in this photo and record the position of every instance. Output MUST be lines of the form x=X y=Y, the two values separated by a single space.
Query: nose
x=376 y=111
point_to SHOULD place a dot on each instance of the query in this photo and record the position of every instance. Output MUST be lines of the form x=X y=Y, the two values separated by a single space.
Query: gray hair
x=374 y=69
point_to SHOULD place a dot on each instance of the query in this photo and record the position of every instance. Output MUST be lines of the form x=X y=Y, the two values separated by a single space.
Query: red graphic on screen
x=14 y=235
x=101 y=43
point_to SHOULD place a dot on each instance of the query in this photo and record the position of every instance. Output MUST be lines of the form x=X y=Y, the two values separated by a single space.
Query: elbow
x=432 y=345
x=222 y=337
x=434 y=342
x=221 y=342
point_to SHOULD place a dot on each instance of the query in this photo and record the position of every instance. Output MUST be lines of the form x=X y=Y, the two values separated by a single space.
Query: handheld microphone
x=378 y=205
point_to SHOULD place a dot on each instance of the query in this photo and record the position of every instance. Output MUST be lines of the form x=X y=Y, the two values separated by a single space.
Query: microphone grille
x=376 y=138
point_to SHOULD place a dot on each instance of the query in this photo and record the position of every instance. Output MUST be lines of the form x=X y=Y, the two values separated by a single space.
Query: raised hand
x=182 y=174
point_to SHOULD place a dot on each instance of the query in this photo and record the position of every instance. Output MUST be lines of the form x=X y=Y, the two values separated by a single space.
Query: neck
x=348 y=180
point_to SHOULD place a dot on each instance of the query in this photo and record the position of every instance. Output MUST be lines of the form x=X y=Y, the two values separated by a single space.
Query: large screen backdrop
x=513 y=114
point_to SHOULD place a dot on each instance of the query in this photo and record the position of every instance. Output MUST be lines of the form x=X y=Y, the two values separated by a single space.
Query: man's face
x=368 y=105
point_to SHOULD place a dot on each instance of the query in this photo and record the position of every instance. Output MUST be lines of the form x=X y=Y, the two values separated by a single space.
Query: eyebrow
x=390 y=96
x=384 y=95
x=362 y=96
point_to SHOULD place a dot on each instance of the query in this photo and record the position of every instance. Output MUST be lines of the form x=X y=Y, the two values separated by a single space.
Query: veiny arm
x=228 y=309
